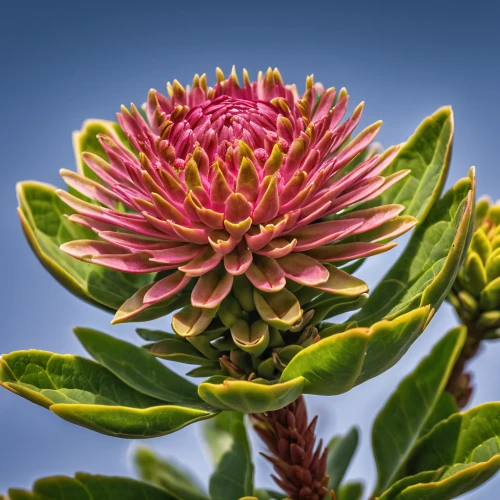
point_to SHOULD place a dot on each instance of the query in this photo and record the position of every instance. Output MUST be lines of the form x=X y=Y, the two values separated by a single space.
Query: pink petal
x=166 y=288
x=268 y=206
x=303 y=269
x=211 y=289
x=266 y=274
x=278 y=248
x=348 y=251
x=321 y=233
x=202 y=263
x=238 y=261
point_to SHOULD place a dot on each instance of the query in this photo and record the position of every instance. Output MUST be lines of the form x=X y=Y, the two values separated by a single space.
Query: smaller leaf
x=233 y=476
x=350 y=491
x=137 y=368
x=340 y=452
x=402 y=419
x=154 y=335
x=90 y=487
x=177 y=349
x=167 y=476
x=257 y=396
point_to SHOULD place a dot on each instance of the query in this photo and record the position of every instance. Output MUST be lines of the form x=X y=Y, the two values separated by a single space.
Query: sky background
x=63 y=62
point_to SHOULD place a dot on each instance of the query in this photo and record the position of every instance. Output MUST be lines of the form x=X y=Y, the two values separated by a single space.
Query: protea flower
x=244 y=199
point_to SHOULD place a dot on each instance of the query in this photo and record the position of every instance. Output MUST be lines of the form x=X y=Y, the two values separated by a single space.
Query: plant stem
x=299 y=464
x=459 y=384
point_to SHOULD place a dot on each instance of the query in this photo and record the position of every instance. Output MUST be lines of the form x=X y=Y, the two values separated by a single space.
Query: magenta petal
x=211 y=289
x=303 y=269
x=176 y=254
x=278 y=248
x=358 y=144
x=266 y=274
x=259 y=237
x=238 y=261
x=90 y=188
x=166 y=288
x=322 y=233
x=374 y=217
x=341 y=283
x=86 y=250
x=348 y=251
x=135 y=263
x=202 y=263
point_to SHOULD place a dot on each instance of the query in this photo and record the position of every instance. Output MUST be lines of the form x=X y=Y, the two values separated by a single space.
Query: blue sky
x=64 y=62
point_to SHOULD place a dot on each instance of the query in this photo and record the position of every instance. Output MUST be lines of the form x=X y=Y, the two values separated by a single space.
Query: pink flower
x=232 y=180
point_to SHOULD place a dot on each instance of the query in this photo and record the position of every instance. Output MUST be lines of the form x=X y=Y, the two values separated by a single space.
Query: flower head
x=476 y=291
x=243 y=198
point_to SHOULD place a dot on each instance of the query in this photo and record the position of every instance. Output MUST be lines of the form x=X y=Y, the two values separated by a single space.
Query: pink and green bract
x=236 y=187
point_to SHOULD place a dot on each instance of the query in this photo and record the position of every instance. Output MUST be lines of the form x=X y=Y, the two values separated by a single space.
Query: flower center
x=232 y=120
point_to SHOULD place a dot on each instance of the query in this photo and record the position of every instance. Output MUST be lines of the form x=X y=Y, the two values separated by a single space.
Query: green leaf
x=257 y=396
x=233 y=476
x=86 y=393
x=417 y=479
x=463 y=451
x=46 y=229
x=350 y=491
x=400 y=422
x=336 y=364
x=155 y=335
x=172 y=479
x=138 y=369
x=444 y=408
x=340 y=452
x=427 y=155
x=427 y=268
x=90 y=487
x=178 y=349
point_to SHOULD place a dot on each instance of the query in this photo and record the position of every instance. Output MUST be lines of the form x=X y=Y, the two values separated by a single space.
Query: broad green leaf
x=456 y=456
x=400 y=422
x=350 y=491
x=158 y=471
x=444 y=408
x=336 y=364
x=46 y=229
x=257 y=396
x=138 y=369
x=427 y=155
x=402 y=484
x=86 y=393
x=233 y=476
x=340 y=452
x=427 y=268
x=90 y=487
